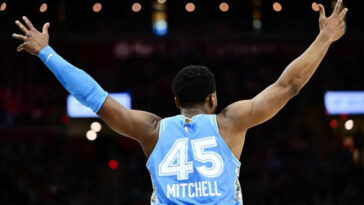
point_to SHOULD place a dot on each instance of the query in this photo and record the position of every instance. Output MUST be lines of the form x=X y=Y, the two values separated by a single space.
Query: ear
x=212 y=100
x=215 y=98
x=178 y=105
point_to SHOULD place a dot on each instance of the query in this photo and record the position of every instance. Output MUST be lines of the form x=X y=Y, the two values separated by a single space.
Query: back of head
x=193 y=84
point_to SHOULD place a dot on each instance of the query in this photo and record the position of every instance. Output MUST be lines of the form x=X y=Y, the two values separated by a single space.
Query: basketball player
x=193 y=157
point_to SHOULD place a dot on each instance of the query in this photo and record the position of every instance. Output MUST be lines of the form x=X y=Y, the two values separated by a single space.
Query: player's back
x=191 y=164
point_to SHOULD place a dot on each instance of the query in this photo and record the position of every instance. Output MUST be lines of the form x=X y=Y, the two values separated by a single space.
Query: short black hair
x=193 y=84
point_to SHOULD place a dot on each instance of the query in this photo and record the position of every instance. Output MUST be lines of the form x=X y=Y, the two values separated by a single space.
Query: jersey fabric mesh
x=191 y=164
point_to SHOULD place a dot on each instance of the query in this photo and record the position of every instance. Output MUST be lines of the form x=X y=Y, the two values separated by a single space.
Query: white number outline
x=198 y=147
x=179 y=151
x=173 y=154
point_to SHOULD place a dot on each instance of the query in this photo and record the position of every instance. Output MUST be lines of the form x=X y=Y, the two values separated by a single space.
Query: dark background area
x=295 y=158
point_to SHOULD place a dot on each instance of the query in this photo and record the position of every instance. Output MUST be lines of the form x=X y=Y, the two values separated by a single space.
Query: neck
x=194 y=110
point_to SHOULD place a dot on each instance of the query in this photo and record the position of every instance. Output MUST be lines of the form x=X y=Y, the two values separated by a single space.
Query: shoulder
x=234 y=116
x=232 y=130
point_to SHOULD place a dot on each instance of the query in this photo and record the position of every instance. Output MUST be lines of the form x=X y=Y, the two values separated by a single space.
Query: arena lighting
x=162 y=1
x=315 y=6
x=344 y=116
x=348 y=142
x=333 y=124
x=160 y=27
x=76 y=110
x=95 y=126
x=344 y=102
x=113 y=164
x=97 y=7
x=43 y=8
x=356 y=155
x=91 y=135
x=257 y=15
x=277 y=7
x=349 y=124
x=224 y=7
x=65 y=119
x=257 y=24
x=190 y=7
x=3 y=6
x=136 y=7
x=159 y=19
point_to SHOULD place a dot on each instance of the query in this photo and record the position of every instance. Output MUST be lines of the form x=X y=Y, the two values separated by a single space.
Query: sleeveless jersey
x=191 y=164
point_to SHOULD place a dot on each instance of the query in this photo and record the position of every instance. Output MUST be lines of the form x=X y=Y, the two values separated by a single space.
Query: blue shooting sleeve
x=81 y=85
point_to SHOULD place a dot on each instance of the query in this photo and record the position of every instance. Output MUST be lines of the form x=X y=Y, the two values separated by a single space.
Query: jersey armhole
x=162 y=126
x=214 y=121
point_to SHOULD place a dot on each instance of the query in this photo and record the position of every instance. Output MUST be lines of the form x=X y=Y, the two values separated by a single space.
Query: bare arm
x=138 y=125
x=248 y=113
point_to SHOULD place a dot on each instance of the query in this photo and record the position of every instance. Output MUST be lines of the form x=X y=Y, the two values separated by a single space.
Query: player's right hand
x=333 y=27
x=33 y=40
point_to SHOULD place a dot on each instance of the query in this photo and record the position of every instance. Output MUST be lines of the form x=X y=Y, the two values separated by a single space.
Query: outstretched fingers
x=343 y=14
x=28 y=23
x=322 y=11
x=20 y=47
x=19 y=37
x=45 y=28
x=21 y=27
x=337 y=7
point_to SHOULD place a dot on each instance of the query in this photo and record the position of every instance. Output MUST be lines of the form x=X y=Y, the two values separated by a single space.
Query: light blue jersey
x=191 y=164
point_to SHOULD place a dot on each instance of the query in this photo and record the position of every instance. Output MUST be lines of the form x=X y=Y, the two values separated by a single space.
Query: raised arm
x=248 y=113
x=139 y=125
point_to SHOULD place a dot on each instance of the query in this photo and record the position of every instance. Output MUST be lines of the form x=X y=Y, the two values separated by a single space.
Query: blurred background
x=304 y=155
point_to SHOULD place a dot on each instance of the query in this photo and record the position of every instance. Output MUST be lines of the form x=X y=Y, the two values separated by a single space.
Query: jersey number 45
x=175 y=162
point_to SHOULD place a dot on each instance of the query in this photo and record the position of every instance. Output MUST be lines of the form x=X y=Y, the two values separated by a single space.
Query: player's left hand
x=333 y=27
x=33 y=40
